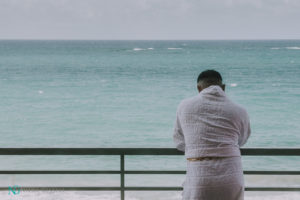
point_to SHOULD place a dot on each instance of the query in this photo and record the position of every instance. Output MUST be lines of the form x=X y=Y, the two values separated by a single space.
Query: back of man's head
x=208 y=78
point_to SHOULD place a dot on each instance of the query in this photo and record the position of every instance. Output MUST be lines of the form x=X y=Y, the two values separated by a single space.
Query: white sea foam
x=294 y=48
x=233 y=84
x=62 y=195
x=275 y=84
x=90 y=195
x=275 y=48
x=150 y=48
x=41 y=91
x=137 y=49
x=173 y=48
x=272 y=196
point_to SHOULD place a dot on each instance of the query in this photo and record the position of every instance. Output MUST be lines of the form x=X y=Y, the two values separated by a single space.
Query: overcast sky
x=149 y=19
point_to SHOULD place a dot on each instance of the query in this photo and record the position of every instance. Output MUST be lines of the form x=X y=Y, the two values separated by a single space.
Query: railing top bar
x=268 y=172
x=270 y=151
x=138 y=151
x=89 y=151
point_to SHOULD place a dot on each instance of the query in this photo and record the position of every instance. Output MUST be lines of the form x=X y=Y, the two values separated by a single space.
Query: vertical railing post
x=122 y=176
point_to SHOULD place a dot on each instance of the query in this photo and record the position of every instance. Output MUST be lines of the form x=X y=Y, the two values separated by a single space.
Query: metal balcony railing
x=138 y=151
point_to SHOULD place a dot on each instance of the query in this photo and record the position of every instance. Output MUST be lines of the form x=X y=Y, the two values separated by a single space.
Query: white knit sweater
x=210 y=124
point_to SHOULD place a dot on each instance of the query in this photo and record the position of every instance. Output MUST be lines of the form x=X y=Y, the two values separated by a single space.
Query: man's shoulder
x=239 y=108
x=189 y=101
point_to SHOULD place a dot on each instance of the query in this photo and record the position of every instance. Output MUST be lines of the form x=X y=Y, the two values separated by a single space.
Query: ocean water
x=125 y=94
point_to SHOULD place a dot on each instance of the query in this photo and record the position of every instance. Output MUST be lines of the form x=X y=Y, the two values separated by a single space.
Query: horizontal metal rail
x=140 y=188
x=137 y=151
x=135 y=172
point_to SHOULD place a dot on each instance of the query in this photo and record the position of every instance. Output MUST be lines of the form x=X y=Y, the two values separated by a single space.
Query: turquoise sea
x=125 y=94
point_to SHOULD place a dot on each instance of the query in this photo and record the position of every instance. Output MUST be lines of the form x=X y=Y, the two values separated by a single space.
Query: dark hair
x=210 y=77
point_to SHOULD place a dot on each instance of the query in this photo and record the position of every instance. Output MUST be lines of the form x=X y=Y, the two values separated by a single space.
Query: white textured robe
x=210 y=124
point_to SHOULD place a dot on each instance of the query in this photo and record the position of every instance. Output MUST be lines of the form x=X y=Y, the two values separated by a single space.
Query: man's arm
x=178 y=136
x=245 y=130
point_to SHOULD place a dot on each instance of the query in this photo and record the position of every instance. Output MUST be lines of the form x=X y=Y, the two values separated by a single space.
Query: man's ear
x=223 y=87
x=199 y=88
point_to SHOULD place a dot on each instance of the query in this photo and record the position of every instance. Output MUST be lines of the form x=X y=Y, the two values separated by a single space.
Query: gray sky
x=149 y=19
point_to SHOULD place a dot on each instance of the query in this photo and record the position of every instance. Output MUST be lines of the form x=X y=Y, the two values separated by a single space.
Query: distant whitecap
x=275 y=84
x=275 y=48
x=150 y=48
x=138 y=49
x=41 y=91
x=294 y=48
x=233 y=84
